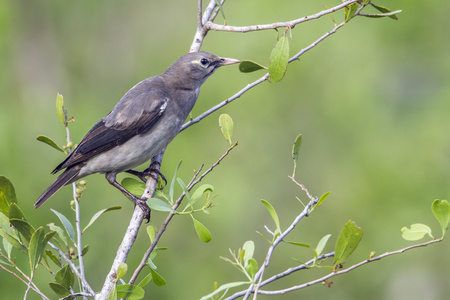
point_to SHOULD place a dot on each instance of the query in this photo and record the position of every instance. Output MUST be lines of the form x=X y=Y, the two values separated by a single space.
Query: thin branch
x=328 y=276
x=163 y=228
x=291 y=24
x=74 y=269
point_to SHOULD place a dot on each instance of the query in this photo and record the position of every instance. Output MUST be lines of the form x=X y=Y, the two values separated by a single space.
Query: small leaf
x=36 y=248
x=297 y=244
x=172 y=183
x=350 y=11
x=247 y=66
x=158 y=280
x=202 y=232
x=416 y=232
x=151 y=233
x=224 y=287
x=279 y=59
x=201 y=190
x=226 y=126
x=121 y=270
x=322 y=198
x=249 y=248
x=65 y=277
x=53 y=257
x=346 y=243
x=15 y=212
x=59 y=289
x=85 y=250
x=113 y=294
x=136 y=187
x=50 y=142
x=60 y=108
x=24 y=228
x=221 y=10
x=66 y=223
x=321 y=245
x=296 y=151
x=130 y=292
x=13 y=241
x=146 y=280
x=159 y=205
x=273 y=213
x=7 y=195
x=98 y=214
x=59 y=231
x=252 y=267
x=441 y=210
x=386 y=12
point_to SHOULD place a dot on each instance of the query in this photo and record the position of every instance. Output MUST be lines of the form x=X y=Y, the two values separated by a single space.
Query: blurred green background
x=372 y=103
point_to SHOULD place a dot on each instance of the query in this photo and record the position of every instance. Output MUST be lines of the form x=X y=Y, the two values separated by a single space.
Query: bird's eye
x=204 y=61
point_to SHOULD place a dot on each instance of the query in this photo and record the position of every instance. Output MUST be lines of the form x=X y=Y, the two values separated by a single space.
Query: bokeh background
x=372 y=103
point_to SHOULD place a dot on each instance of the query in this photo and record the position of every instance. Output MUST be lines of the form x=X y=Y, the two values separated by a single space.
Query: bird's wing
x=135 y=114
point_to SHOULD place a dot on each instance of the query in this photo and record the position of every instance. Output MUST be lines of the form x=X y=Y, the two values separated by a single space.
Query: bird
x=145 y=120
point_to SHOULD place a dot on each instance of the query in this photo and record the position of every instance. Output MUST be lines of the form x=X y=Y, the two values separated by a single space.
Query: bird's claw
x=148 y=172
x=144 y=206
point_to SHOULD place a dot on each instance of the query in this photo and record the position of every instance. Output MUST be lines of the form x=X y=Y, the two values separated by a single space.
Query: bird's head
x=196 y=67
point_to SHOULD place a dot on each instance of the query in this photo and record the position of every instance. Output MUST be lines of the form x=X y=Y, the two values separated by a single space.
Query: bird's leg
x=148 y=172
x=111 y=177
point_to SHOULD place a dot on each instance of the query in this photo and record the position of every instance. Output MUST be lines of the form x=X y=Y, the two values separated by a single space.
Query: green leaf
x=130 y=292
x=224 y=287
x=279 y=59
x=59 y=231
x=247 y=66
x=15 y=212
x=297 y=244
x=273 y=213
x=386 y=12
x=50 y=142
x=98 y=214
x=53 y=257
x=85 y=250
x=321 y=245
x=441 y=210
x=296 y=151
x=252 y=267
x=158 y=280
x=350 y=11
x=65 y=277
x=346 y=243
x=113 y=294
x=185 y=190
x=322 y=198
x=416 y=232
x=159 y=205
x=121 y=271
x=13 y=241
x=36 y=248
x=59 y=289
x=221 y=10
x=146 y=280
x=226 y=126
x=60 y=108
x=24 y=228
x=7 y=195
x=151 y=233
x=200 y=191
x=249 y=249
x=136 y=187
x=172 y=183
x=202 y=232
x=66 y=223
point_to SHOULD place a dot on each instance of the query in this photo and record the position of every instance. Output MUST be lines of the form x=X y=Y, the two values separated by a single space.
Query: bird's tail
x=66 y=177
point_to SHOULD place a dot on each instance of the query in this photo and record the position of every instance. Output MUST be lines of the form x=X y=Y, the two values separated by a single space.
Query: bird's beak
x=227 y=61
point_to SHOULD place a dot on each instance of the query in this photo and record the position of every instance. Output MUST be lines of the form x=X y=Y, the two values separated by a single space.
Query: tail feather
x=66 y=177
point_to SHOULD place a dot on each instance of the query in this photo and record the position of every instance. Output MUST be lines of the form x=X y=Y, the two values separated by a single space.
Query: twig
x=328 y=276
x=163 y=228
x=291 y=24
x=74 y=269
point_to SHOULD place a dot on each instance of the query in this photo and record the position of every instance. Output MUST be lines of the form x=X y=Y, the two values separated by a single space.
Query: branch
x=163 y=228
x=74 y=269
x=291 y=24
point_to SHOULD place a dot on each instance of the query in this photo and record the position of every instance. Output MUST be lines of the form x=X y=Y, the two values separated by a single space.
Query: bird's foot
x=148 y=172
x=142 y=203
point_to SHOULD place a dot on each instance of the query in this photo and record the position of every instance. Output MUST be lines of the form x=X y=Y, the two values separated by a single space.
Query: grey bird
x=143 y=122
